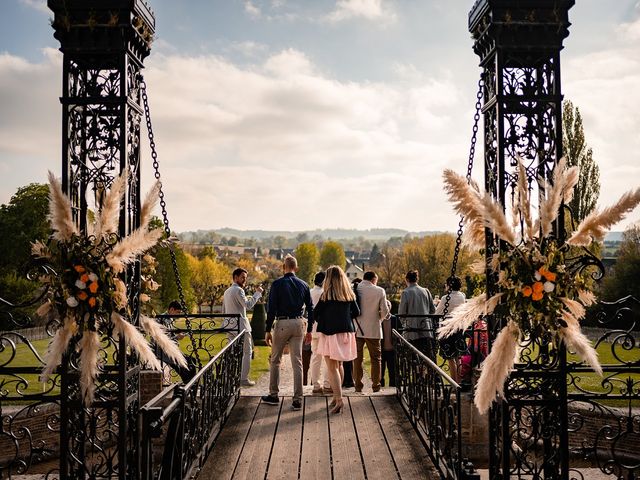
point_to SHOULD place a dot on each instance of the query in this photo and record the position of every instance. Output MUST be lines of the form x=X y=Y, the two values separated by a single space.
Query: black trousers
x=347 y=382
x=388 y=363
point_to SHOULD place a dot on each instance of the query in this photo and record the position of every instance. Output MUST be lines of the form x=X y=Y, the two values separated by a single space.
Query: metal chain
x=165 y=217
x=472 y=153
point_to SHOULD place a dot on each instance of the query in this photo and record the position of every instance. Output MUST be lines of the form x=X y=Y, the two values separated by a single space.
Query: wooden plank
x=285 y=456
x=316 y=456
x=230 y=442
x=378 y=461
x=409 y=453
x=345 y=454
x=254 y=458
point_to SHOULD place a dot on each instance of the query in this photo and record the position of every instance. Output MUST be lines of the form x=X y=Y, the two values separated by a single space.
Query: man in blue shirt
x=287 y=301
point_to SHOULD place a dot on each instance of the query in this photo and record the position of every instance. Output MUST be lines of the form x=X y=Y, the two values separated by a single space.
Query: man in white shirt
x=316 y=360
x=235 y=301
x=373 y=310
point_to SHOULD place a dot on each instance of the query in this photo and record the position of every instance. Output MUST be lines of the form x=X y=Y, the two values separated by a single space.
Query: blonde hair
x=290 y=262
x=336 y=286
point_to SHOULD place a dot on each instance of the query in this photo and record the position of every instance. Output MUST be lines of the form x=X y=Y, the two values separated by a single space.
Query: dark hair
x=175 y=305
x=238 y=271
x=356 y=281
x=368 y=276
x=412 y=276
x=319 y=278
x=454 y=283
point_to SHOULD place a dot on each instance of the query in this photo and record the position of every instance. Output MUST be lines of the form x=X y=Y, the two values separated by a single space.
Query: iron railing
x=432 y=401
x=181 y=423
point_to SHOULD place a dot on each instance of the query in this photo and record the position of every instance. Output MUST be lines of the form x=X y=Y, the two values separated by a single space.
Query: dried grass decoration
x=537 y=292
x=87 y=295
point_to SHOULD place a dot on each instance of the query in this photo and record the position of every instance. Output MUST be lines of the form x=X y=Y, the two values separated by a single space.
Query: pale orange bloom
x=538 y=287
x=93 y=287
x=536 y=296
x=79 y=268
x=84 y=278
x=92 y=302
x=527 y=291
x=82 y=296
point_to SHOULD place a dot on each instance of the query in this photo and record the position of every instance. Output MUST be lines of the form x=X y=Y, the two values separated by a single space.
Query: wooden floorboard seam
x=330 y=449
x=355 y=429
x=245 y=439
x=273 y=440
x=386 y=440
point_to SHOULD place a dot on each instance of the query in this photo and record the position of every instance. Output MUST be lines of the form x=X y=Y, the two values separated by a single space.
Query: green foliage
x=579 y=154
x=623 y=280
x=432 y=256
x=168 y=290
x=22 y=221
x=332 y=253
x=308 y=258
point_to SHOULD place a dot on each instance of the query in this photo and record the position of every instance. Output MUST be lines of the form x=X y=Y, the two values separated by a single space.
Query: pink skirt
x=341 y=346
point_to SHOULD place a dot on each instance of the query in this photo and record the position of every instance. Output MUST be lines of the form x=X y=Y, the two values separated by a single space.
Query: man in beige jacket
x=373 y=310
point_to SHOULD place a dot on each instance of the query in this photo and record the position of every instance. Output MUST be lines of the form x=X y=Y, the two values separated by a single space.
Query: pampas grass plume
x=127 y=250
x=60 y=211
x=149 y=204
x=497 y=366
x=577 y=342
x=57 y=346
x=89 y=369
x=496 y=221
x=109 y=215
x=586 y=297
x=158 y=333
x=135 y=340
x=596 y=224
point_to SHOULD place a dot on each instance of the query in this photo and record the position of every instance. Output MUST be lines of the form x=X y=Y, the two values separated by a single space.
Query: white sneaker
x=247 y=383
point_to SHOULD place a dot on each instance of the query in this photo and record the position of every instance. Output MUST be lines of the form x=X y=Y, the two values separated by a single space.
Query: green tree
x=623 y=279
x=22 y=221
x=375 y=256
x=332 y=253
x=308 y=258
x=168 y=290
x=579 y=154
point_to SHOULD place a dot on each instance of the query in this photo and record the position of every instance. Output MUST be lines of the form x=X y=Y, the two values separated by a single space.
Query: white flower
x=72 y=302
x=93 y=277
x=537 y=276
x=80 y=284
x=549 y=287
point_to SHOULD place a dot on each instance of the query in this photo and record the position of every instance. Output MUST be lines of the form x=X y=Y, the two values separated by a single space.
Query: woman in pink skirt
x=334 y=313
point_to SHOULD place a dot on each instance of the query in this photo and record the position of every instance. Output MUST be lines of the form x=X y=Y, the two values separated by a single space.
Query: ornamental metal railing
x=431 y=399
x=181 y=423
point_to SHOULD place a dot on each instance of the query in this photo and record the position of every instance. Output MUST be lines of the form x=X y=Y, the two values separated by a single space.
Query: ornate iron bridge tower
x=104 y=44
x=519 y=44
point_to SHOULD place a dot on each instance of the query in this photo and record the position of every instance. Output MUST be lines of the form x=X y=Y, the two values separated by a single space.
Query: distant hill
x=326 y=233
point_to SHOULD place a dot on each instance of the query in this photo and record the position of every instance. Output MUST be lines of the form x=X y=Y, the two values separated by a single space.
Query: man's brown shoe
x=327 y=390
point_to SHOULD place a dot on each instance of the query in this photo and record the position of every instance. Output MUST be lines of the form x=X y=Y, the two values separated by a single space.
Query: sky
x=296 y=115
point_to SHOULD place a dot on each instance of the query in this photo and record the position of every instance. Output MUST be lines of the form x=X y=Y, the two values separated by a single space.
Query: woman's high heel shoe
x=332 y=404
x=338 y=408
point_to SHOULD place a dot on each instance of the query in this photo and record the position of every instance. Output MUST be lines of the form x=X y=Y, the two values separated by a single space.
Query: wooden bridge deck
x=372 y=439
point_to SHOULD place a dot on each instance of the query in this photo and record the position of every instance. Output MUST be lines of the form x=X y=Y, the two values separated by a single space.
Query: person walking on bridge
x=373 y=310
x=287 y=301
x=235 y=301
x=417 y=300
x=336 y=333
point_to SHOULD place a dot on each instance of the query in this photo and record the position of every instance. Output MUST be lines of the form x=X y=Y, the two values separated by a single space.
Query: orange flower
x=92 y=302
x=537 y=296
x=527 y=291
x=79 y=268
x=93 y=287
x=82 y=296
x=547 y=274
x=84 y=278
x=538 y=287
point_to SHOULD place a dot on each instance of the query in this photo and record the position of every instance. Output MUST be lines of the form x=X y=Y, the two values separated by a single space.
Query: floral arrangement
x=537 y=292
x=86 y=292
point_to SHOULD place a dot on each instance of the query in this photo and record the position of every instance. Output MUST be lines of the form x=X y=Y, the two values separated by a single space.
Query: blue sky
x=282 y=114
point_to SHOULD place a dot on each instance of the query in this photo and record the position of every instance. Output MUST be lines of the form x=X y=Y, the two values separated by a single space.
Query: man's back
x=417 y=300
x=373 y=309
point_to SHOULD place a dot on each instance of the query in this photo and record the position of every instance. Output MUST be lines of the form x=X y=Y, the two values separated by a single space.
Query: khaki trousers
x=292 y=331
x=375 y=354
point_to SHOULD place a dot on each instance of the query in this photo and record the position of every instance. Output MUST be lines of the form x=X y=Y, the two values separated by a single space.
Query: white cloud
x=40 y=5
x=249 y=48
x=367 y=9
x=252 y=9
